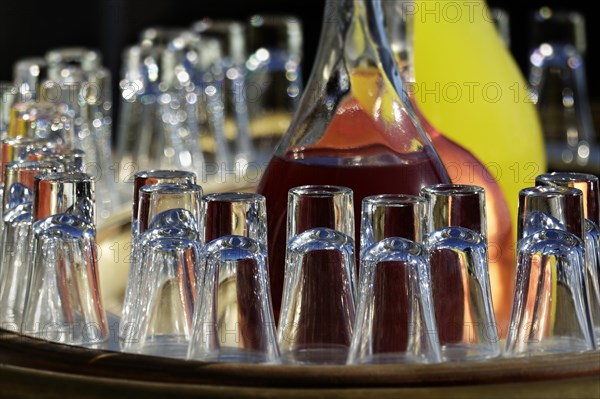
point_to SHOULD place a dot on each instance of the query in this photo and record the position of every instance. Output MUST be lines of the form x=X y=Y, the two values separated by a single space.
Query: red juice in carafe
x=357 y=151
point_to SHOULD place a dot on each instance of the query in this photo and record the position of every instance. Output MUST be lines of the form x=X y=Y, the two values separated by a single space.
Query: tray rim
x=29 y=353
x=58 y=385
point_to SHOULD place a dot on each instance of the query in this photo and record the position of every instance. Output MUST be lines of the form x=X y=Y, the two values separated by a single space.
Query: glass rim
x=319 y=191
x=571 y=16
x=21 y=140
x=568 y=177
x=395 y=200
x=72 y=52
x=209 y=23
x=260 y=20
x=234 y=196
x=65 y=177
x=170 y=188
x=164 y=174
x=550 y=192
x=39 y=106
x=26 y=62
x=33 y=165
x=450 y=189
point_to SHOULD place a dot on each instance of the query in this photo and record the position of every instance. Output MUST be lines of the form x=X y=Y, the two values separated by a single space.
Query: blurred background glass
x=558 y=80
x=111 y=25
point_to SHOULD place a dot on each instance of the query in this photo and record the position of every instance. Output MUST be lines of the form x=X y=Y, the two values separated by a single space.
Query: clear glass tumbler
x=395 y=320
x=588 y=184
x=550 y=312
x=319 y=293
x=160 y=318
x=234 y=318
x=458 y=256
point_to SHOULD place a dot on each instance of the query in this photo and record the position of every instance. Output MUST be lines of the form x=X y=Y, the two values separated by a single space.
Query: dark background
x=30 y=28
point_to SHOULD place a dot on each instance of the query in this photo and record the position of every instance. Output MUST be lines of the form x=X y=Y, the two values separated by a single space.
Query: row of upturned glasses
x=414 y=290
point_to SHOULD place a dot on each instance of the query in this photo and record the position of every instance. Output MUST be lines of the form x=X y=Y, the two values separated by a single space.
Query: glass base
x=173 y=346
x=552 y=346
x=465 y=352
x=337 y=354
x=238 y=356
x=392 y=358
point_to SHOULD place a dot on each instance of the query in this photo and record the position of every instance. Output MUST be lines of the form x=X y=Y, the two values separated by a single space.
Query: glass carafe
x=463 y=166
x=354 y=127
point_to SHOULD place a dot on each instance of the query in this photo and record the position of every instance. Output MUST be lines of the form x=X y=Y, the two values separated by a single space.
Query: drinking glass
x=68 y=192
x=16 y=238
x=165 y=211
x=156 y=199
x=558 y=80
x=274 y=78
x=459 y=205
x=160 y=320
x=234 y=318
x=550 y=207
x=19 y=180
x=395 y=321
x=43 y=120
x=320 y=206
x=550 y=312
x=79 y=81
x=241 y=214
x=63 y=301
x=8 y=94
x=191 y=108
x=173 y=111
x=318 y=305
x=231 y=36
x=150 y=177
x=14 y=150
x=29 y=75
x=140 y=142
x=588 y=184
x=392 y=215
x=458 y=257
x=145 y=77
x=17 y=149
x=462 y=296
x=71 y=159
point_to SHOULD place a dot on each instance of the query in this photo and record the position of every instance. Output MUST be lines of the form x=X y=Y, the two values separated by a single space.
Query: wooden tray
x=33 y=368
